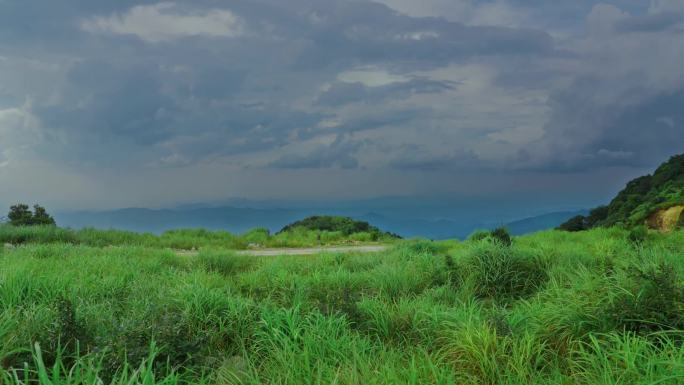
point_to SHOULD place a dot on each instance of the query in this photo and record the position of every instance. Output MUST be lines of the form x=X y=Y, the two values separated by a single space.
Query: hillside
x=336 y=224
x=540 y=222
x=642 y=199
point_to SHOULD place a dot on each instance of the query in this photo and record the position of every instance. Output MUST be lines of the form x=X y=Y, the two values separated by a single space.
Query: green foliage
x=479 y=235
x=224 y=263
x=21 y=215
x=554 y=308
x=640 y=198
x=183 y=239
x=502 y=236
x=332 y=224
x=638 y=235
x=575 y=224
x=652 y=300
x=499 y=235
x=500 y=272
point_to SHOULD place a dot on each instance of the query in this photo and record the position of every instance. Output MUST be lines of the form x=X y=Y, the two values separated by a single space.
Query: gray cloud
x=341 y=93
x=226 y=88
x=340 y=153
x=651 y=23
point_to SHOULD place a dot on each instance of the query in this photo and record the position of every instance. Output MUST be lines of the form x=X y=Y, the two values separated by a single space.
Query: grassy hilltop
x=551 y=308
x=641 y=201
x=312 y=231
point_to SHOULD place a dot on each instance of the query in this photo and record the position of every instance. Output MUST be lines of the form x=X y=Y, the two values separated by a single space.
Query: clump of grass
x=500 y=272
x=650 y=300
x=222 y=262
x=638 y=235
x=499 y=235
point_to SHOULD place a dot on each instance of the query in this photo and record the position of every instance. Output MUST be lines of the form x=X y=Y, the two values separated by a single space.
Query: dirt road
x=313 y=250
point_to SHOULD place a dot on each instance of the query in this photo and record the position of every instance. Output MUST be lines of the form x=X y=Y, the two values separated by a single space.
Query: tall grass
x=554 y=308
x=183 y=239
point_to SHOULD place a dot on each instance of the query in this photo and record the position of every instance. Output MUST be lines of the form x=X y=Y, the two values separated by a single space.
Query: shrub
x=499 y=235
x=423 y=247
x=638 y=235
x=479 y=235
x=574 y=224
x=500 y=272
x=20 y=215
x=502 y=236
x=652 y=300
x=258 y=236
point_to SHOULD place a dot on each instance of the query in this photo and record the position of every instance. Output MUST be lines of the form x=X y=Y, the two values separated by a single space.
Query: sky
x=107 y=104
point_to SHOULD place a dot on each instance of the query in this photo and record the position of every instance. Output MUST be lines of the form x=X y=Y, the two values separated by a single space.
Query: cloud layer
x=410 y=96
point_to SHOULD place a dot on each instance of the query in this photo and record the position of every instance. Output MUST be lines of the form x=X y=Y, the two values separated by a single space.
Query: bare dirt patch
x=665 y=220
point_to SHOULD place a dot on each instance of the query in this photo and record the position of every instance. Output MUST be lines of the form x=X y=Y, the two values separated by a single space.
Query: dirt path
x=314 y=250
x=297 y=251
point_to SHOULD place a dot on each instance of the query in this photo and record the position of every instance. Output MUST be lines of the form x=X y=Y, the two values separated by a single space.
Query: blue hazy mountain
x=406 y=218
x=541 y=222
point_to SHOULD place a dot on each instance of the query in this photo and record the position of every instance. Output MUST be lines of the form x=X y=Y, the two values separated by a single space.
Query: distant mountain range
x=241 y=219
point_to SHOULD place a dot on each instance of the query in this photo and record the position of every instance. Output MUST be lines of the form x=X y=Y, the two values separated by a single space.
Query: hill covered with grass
x=336 y=224
x=187 y=239
x=641 y=199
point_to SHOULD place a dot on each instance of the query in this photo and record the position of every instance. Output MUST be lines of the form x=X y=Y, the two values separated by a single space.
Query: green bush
x=651 y=300
x=502 y=236
x=500 y=272
x=499 y=235
x=21 y=215
x=574 y=224
x=638 y=235
x=479 y=235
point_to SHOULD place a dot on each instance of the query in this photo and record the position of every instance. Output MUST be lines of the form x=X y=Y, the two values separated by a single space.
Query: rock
x=666 y=220
x=9 y=246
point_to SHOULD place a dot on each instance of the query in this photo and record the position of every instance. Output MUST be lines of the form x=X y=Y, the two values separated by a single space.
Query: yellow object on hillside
x=665 y=220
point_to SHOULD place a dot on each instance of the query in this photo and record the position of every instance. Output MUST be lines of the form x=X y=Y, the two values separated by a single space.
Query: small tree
x=21 y=215
x=578 y=223
x=41 y=217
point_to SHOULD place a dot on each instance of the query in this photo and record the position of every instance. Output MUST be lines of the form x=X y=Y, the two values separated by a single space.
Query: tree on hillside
x=578 y=223
x=41 y=217
x=21 y=215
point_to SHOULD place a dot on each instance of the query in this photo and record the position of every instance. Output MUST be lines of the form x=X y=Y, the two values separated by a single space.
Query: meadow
x=182 y=239
x=597 y=307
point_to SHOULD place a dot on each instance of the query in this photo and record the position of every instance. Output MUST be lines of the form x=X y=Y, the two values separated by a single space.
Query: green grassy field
x=183 y=239
x=598 y=307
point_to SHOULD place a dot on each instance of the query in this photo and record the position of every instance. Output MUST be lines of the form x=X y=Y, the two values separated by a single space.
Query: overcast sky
x=130 y=103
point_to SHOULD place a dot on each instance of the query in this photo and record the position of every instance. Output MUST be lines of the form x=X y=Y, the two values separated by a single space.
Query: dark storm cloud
x=584 y=136
x=340 y=153
x=158 y=84
x=630 y=115
x=509 y=85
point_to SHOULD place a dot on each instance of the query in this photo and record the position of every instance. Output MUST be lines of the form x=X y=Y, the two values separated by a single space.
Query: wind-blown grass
x=554 y=308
